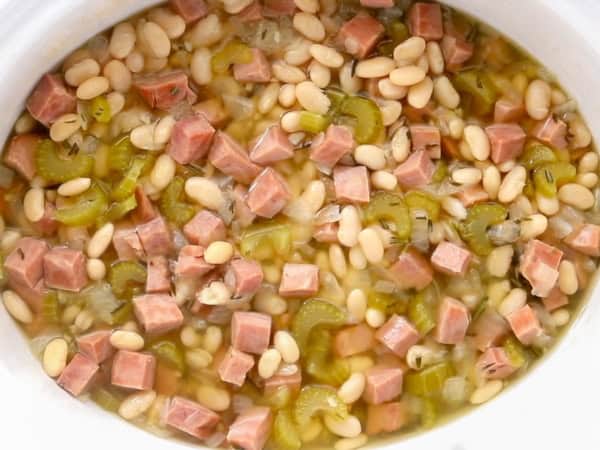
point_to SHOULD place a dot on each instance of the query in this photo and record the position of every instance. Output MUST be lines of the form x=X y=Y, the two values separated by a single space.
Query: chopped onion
x=559 y=227
x=329 y=214
x=287 y=369
x=299 y=211
x=268 y=35
x=503 y=233
x=238 y=107
x=100 y=299
x=455 y=390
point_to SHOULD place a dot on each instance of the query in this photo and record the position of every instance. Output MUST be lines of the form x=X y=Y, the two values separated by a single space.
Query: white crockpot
x=553 y=408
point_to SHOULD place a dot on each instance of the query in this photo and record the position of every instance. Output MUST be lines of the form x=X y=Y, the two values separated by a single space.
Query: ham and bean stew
x=286 y=224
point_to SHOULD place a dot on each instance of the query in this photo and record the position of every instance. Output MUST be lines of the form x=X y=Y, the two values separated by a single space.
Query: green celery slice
x=53 y=168
x=318 y=399
x=285 y=433
x=170 y=354
x=385 y=206
x=127 y=278
x=429 y=382
x=266 y=240
x=172 y=206
x=314 y=313
x=479 y=218
x=89 y=206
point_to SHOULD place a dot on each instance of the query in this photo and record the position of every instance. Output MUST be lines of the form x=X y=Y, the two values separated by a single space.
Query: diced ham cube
x=50 y=99
x=205 y=228
x=456 y=51
x=377 y=3
x=268 y=194
x=360 y=34
x=272 y=146
x=190 y=10
x=425 y=20
x=25 y=264
x=163 y=91
x=155 y=237
x=79 y=375
x=235 y=366
x=158 y=275
x=412 y=270
x=326 y=233
x=398 y=335
x=191 y=263
x=190 y=139
x=551 y=131
x=292 y=382
x=453 y=321
x=231 y=159
x=472 y=194
x=127 y=244
x=508 y=111
x=525 y=324
x=489 y=329
x=585 y=239
x=329 y=147
x=416 y=171
x=382 y=384
x=244 y=277
x=555 y=299
x=428 y=138
x=158 y=313
x=506 y=140
x=278 y=8
x=190 y=417
x=47 y=225
x=386 y=417
x=96 y=346
x=250 y=332
x=539 y=265
x=451 y=259
x=243 y=215
x=351 y=184
x=20 y=154
x=251 y=429
x=64 y=268
x=133 y=370
x=256 y=71
x=299 y=280
x=251 y=13
x=354 y=340
x=494 y=364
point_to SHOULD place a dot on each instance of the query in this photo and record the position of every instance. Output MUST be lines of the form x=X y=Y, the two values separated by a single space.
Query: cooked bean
x=353 y=388
x=96 y=269
x=118 y=76
x=163 y=172
x=435 y=58
x=205 y=191
x=200 y=66
x=328 y=56
x=82 y=71
x=287 y=73
x=268 y=363
x=512 y=185
x=55 y=355
x=419 y=94
x=268 y=302
x=122 y=40
x=374 y=317
x=287 y=95
x=407 y=76
x=589 y=180
x=516 y=298
x=478 y=142
x=349 y=427
x=337 y=260
x=136 y=404
x=486 y=392
x=135 y=61
x=309 y=25
x=351 y=443
x=370 y=156
x=286 y=345
x=206 y=32
x=298 y=53
x=390 y=111
x=198 y=358
x=235 y=6
x=127 y=340
x=532 y=226
x=537 y=99
x=75 y=186
x=454 y=207
x=382 y=179
x=116 y=102
x=390 y=91
x=491 y=181
x=371 y=245
x=268 y=98
x=34 y=204
x=567 y=277
x=577 y=196
x=409 y=50
x=561 y=317
x=173 y=24
x=213 y=338
x=377 y=67
x=213 y=398
x=349 y=82
x=357 y=258
x=312 y=98
x=547 y=205
x=319 y=74
x=499 y=260
x=17 y=307
x=65 y=127
x=84 y=320
x=218 y=252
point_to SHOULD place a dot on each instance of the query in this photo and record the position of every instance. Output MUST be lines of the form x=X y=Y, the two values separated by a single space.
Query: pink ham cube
x=50 y=99
x=164 y=90
x=426 y=137
x=155 y=237
x=190 y=10
x=190 y=139
x=456 y=51
x=386 y=417
x=292 y=382
x=354 y=340
x=382 y=384
x=453 y=321
x=256 y=71
x=508 y=111
x=96 y=346
x=451 y=259
x=272 y=146
x=250 y=332
x=494 y=364
x=398 y=335
x=190 y=417
x=268 y=194
x=425 y=20
x=416 y=171
x=489 y=329
x=20 y=154
x=472 y=194
x=47 y=225
x=251 y=429
x=231 y=159
x=25 y=264
x=351 y=184
x=555 y=299
x=525 y=324
x=506 y=140
x=539 y=265
x=551 y=131
x=205 y=228
x=127 y=244
x=585 y=239
x=235 y=366
x=360 y=35
x=79 y=375
x=133 y=370
x=64 y=268
x=158 y=313
x=251 y=13
x=299 y=280
x=158 y=278
x=244 y=277
x=329 y=147
x=191 y=263
x=412 y=270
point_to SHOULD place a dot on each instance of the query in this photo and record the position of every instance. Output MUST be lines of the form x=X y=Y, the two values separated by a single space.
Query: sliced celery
x=369 y=123
x=550 y=176
x=516 y=353
x=51 y=308
x=285 y=433
x=318 y=399
x=172 y=204
x=100 y=110
x=313 y=123
x=234 y=52
x=420 y=312
x=266 y=240
x=126 y=186
x=429 y=413
x=106 y=399
x=127 y=278
x=314 y=313
x=53 y=168
x=536 y=155
x=478 y=84
x=118 y=210
x=429 y=382
x=425 y=201
x=170 y=354
x=120 y=154
x=385 y=206
x=479 y=218
x=320 y=362
x=88 y=207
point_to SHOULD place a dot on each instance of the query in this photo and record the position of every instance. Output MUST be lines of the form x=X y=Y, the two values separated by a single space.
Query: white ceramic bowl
x=554 y=407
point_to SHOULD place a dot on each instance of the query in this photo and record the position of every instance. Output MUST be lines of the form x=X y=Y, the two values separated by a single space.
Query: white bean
x=235 y=6
x=136 y=404
x=328 y=56
x=445 y=93
x=588 y=162
x=577 y=196
x=309 y=25
x=200 y=66
x=319 y=74
x=516 y=298
x=100 y=241
x=286 y=345
x=17 y=307
x=126 y=340
x=547 y=205
x=382 y=179
x=206 y=32
x=96 y=269
x=163 y=172
x=561 y=317
x=491 y=181
x=213 y=338
x=532 y=226
x=390 y=111
x=478 y=142
x=135 y=61
x=420 y=93
x=268 y=98
x=287 y=95
x=64 y=127
x=407 y=76
x=409 y=50
x=567 y=278
x=486 y=392
x=356 y=303
x=351 y=443
x=377 y=67
x=349 y=427
x=512 y=185
x=287 y=73
x=269 y=363
x=116 y=102
x=173 y=24
x=206 y=192
x=349 y=82
x=357 y=258
x=454 y=207
x=122 y=40
x=218 y=252
x=213 y=398
x=353 y=388
x=435 y=58
x=537 y=99
x=74 y=187
x=34 y=205
x=157 y=42
x=374 y=317
x=400 y=144
x=499 y=260
x=389 y=90
x=371 y=245
x=298 y=53
x=92 y=87
x=118 y=75
x=198 y=358
x=589 y=180
x=350 y=226
x=467 y=176
x=82 y=71
x=370 y=156
x=337 y=259
x=312 y=98
x=55 y=355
